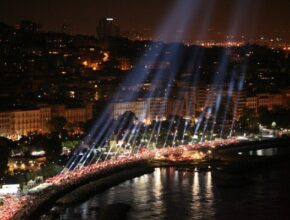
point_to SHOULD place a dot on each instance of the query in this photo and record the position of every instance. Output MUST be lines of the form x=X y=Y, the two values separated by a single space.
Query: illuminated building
x=119 y=108
x=66 y=28
x=157 y=65
x=146 y=110
x=157 y=108
x=125 y=64
x=16 y=123
x=107 y=28
x=29 y=26
x=286 y=97
x=188 y=102
x=202 y=96
x=183 y=105
x=269 y=100
x=73 y=114
x=205 y=96
x=94 y=64
x=252 y=102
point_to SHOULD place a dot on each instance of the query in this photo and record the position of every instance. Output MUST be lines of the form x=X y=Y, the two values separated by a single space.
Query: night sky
x=258 y=17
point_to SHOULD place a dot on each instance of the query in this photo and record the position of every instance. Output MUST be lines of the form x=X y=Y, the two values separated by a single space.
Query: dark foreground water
x=172 y=194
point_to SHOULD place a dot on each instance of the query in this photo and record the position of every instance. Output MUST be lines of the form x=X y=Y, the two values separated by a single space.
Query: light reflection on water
x=172 y=194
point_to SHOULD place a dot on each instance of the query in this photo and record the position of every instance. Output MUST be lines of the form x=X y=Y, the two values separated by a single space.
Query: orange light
x=85 y=63
x=106 y=57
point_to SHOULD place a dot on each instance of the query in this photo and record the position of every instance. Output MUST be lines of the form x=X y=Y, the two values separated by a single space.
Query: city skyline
x=270 y=18
x=182 y=106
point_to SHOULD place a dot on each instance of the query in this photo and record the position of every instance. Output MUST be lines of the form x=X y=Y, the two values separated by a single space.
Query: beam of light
x=174 y=56
x=157 y=77
x=183 y=7
x=162 y=110
x=106 y=130
x=240 y=88
x=174 y=113
x=73 y=163
x=178 y=19
x=217 y=106
x=197 y=126
x=198 y=54
x=176 y=63
x=238 y=15
x=174 y=137
x=106 y=140
x=99 y=137
x=100 y=141
x=128 y=132
x=166 y=139
x=176 y=132
x=133 y=132
x=166 y=28
x=219 y=78
x=102 y=145
x=158 y=133
x=218 y=83
x=136 y=132
x=184 y=131
x=229 y=98
x=151 y=136
x=108 y=153
x=119 y=146
x=159 y=115
x=209 y=111
x=190 y=112
x=135 y=137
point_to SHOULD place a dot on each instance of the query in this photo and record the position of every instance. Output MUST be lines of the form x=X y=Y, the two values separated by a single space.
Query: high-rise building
x=66 y=28
x=107 y=28
x=29 y=26
x=146 y=110
x=18 y=122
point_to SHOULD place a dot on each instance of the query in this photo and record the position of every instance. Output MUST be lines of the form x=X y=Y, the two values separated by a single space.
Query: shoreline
x=46 y=199
x=84 y=192
x=99 y=182
x=104 y=182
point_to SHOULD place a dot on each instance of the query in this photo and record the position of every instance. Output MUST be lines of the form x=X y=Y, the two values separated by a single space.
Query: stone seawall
x=86 y=191
x=45 y=199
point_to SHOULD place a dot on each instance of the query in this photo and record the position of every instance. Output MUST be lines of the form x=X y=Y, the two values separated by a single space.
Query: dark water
x=172 y=194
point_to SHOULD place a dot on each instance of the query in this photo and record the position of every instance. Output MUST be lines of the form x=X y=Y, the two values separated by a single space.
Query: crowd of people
x=12 y=204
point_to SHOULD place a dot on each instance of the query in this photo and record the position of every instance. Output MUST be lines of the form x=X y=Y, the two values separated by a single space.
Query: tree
x=265 y=116
x=6 y=146
x=52 y=146
x=280 y=116
x=126 y=120
x=57 y=124
x=31 y=142
x=226 y=110
x=249 y=121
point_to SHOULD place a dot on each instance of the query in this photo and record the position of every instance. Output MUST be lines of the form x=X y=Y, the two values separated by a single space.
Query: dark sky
x=249 y=17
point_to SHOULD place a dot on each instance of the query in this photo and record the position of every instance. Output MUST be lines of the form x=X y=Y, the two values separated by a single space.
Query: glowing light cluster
x=12 y=205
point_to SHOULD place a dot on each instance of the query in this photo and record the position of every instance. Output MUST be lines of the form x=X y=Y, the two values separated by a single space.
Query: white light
x=10 y=189
x=37 y=153
x=110 y=19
